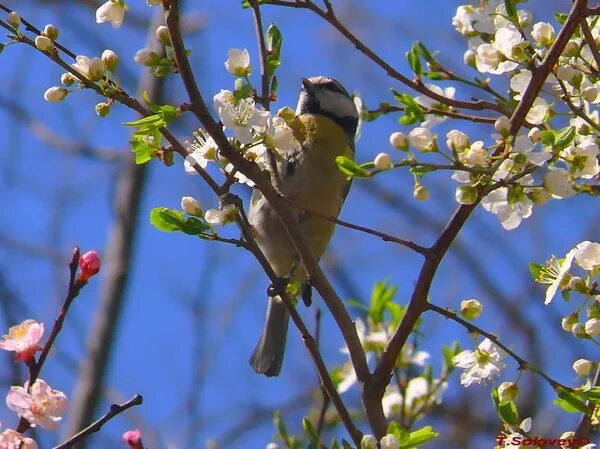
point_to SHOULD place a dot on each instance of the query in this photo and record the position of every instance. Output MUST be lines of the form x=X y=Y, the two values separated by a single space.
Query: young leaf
x=350 y=168
x=420 y=436
x=507 y=411
x=571 y=401
x=564 y=138
x=167 y=220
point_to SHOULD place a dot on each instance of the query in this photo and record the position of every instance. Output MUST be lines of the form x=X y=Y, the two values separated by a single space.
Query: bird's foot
x=307 y=294
x=277 y=287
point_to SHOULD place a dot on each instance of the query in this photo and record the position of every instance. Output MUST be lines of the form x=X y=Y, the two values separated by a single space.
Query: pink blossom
x=89 y=264
x=11 y=439
x=133 y=438
x=40 y=406
x=23 y=339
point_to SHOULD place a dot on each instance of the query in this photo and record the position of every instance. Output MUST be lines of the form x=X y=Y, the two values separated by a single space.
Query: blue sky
x=53 y=200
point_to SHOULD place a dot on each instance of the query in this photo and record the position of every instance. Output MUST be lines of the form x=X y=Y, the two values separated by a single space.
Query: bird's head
x=326 y=96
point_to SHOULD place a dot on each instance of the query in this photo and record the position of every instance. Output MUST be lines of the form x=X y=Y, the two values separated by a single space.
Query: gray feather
x=267 y=357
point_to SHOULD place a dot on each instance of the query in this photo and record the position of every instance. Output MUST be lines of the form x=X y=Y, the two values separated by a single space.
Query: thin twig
x=591 y=42
x=329 y=16
x=472 y=118
x=471 y=328
x=115 y=409
x=382 y=235
x=35 y=367
x=260 y=36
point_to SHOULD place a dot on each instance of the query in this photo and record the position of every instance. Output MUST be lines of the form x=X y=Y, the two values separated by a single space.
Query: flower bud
x=457 y=140
x=420 y=192
x=399 y=141
x=382 y=161
x=89 y=263
x=535 y=135
x=571 y=50
x=508 y=391
x=389 y=442
x=470 y=309
x=162 y=34
x=368 y=442
x=43 y=43
x=565 y=73
x=102 y=109
x=67 y=79
x=466 y=194
x=273 y=446
x=146 y=57
x=590 y=93
x=502 y=125
x=55 y=94
x=423 y=139
x=582 y=367
x=287 y=114
x=14 y=19
x=593 y=311
x=51 y=32
x=578 y=330
x=133 y=438
x=569 y=321
x=110 y=59
x=191 y=206
x=543 y=34
x=469 y=58
x=592 y=327
x=578 y=284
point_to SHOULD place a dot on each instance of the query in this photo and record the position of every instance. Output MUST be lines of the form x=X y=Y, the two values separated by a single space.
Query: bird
x=325 y=125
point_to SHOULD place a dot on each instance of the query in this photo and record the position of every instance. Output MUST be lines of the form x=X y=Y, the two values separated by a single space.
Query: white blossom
x=558 y=183
x=241 y=116
x=238 y=62
x=423 y=139
x=587 y=255
x=510 y=214
x=112 y=11
x=543 y=34
x=480 y=365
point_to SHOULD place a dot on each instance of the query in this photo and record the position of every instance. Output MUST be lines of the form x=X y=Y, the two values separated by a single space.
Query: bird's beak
x=307 y=86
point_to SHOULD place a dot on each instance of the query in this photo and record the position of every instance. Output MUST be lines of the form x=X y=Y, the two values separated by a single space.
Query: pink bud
x=89 y=264
x=133 y=438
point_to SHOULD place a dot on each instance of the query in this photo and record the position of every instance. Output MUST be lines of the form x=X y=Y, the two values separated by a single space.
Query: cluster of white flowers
x=419 y=393
x=557 y=274
x=480 y=365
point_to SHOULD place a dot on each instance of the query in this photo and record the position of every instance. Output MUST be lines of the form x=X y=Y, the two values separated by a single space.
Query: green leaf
x=425 y=52
x=396 y=311
x=564 y=138
x=167 y=220
x=245 y=4
x=547 y=137
x=311 y=431
x=511 y=9
x=561 y=17
x=351 y=168
x=357 y=304
x=507 y=411
x=571 y=401
x=381 y=295
x=274 y=40
x=143 y=153
x=280 y=426
x=448 y=352
x=398 y=431
x=420 y=171
x=414 y=60
x=535 y=269
x=334 y=444
x=420 y=436
x=436 y=75
x=593 y=395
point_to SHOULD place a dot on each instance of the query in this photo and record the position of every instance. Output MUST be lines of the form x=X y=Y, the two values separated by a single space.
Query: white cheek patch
x=336 y=104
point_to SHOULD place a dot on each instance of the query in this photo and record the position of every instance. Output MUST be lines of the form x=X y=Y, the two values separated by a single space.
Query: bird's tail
x=268 y=354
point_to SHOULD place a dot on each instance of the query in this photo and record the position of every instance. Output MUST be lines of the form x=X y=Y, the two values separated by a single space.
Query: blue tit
x=325 y=125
